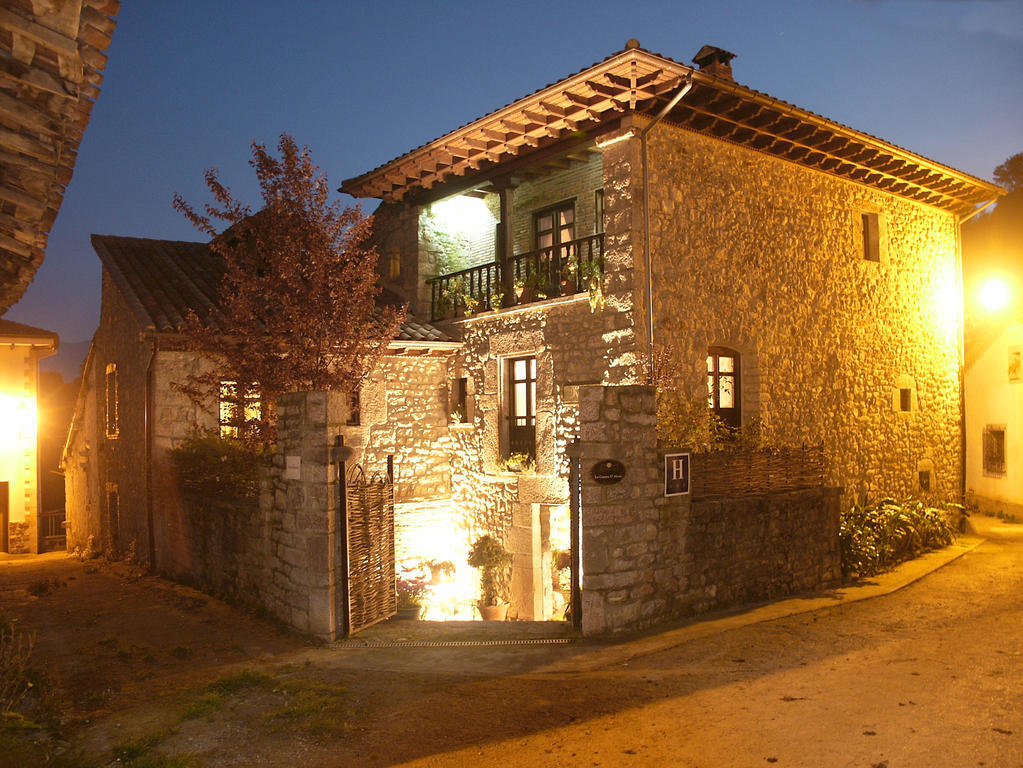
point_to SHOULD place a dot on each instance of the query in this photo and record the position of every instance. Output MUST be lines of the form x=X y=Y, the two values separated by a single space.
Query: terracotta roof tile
x=161 y=280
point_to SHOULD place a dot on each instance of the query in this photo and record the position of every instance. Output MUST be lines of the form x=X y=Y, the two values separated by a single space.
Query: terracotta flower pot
x=494 y=612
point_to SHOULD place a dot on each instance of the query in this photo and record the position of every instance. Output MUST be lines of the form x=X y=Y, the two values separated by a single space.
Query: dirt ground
x=156 y=674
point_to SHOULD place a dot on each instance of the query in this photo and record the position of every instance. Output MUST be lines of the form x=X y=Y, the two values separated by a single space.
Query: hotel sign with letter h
x=676 y=474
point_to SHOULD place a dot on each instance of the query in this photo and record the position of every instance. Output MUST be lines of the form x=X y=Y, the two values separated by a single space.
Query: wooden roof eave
x=641 y=81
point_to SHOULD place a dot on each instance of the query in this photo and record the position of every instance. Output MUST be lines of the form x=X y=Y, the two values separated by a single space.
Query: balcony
x=561 y=270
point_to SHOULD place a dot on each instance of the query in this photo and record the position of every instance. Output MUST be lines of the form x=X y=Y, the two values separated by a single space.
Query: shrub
x=874 y=537
x=211 y=467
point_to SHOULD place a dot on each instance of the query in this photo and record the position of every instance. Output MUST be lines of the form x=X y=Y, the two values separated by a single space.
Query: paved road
x=929 y=676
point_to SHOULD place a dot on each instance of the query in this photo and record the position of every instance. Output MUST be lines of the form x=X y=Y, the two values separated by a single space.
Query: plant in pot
x=411 y=592
x=441 y=571
x=519 y=462
x=490 y=556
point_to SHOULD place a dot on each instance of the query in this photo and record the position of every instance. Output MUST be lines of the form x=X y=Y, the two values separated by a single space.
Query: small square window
x=871 y=237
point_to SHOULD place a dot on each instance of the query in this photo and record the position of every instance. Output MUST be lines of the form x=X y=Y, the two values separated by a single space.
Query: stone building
x=121 y=492
x=803 y=276
x=21 y=349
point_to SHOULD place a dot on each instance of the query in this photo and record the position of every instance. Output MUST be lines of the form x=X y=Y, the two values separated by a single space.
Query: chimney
x=715 y=62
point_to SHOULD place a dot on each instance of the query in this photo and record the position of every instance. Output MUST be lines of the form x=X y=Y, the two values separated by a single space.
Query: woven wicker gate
x=367 y=542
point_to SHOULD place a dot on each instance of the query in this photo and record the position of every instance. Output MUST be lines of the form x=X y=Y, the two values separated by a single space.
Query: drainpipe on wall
x=149 y=456
x=686 y=87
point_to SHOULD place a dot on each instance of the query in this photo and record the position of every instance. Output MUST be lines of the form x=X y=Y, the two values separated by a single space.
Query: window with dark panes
x=239 y=411
x=871 y=237
x=723 y=386
x=522 y=405
x=994 y=449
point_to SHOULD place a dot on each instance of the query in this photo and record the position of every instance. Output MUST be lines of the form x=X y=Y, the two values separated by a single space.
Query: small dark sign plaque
x=676 y=474
x=608 y=471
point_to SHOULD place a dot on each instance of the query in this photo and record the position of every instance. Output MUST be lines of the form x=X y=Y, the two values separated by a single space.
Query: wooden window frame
x=729 y=417
x=522 y=437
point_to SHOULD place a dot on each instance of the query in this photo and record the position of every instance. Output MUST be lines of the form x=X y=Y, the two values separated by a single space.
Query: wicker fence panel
x=752 y=473
x=371 y=561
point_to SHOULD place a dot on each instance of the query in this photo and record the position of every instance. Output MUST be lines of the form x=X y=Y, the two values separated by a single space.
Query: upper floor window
x=554 y=226
x=723 y=386
x=112 y=404
x=238 y=411
x=871 y=236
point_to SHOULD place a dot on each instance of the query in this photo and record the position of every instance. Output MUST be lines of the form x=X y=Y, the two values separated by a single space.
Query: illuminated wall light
x=994 y=294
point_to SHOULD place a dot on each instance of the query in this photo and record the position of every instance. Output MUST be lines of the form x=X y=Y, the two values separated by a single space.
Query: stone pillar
x=303 y=520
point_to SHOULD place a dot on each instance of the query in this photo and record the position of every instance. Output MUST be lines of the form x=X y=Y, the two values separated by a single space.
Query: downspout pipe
x=686 y=87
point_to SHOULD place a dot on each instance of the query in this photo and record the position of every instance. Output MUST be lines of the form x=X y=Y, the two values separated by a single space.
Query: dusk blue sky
x=190 y=84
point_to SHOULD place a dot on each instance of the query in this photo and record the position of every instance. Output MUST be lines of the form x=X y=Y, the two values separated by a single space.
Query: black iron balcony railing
x=561 y=270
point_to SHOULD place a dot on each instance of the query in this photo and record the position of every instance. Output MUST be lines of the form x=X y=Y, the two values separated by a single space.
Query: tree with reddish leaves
x=297 y=307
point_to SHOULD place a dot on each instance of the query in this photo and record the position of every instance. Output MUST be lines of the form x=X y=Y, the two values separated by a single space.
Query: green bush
x=212 y=467
x=874 y=537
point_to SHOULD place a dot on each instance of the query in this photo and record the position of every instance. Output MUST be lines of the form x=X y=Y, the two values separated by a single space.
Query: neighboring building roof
x=11 y=332
x=51 y=67
x=161 y=280
x=635 y=81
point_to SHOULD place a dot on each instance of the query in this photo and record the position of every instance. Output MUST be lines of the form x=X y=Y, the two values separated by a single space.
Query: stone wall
x=766 y=257
x=102 y=465
x=299 y=505
x=647 y=557
x=405 y=412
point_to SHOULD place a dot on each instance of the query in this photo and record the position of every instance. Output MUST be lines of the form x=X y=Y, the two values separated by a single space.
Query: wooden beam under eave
x=60 y=44
x=32 y=147
x=10 y=244
x=555 y=109
x=28 y=116
x=579 y=100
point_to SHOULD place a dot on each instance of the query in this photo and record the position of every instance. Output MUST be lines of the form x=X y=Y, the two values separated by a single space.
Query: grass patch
x=234 y=683
x=312 y=706
x=140 y=753
x=203 y=706
x=213 y=698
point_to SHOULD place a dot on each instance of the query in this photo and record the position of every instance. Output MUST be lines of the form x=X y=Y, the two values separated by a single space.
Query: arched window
x=724 y=386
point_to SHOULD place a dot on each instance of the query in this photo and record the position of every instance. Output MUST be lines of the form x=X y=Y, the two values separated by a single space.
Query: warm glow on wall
x=17 y=421
x=994 y=294
x=947 y=304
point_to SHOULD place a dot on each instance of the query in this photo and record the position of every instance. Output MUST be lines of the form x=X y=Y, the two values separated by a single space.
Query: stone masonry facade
x=647 y=557
x=766 y=258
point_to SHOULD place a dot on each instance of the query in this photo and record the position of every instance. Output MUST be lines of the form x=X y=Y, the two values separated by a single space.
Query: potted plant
x=441 y=571
x=496 y=300
x=592 y=275
x=519 y=462
x=411 y=591
x=520 y=286
x=490 y=556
